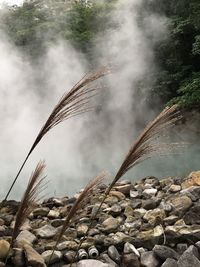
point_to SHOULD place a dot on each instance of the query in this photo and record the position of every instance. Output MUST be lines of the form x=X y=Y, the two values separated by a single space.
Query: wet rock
x=164 y=252
x=170 y=263
x=149 y=259
x=26 y=236
x=33 y=258
x=56 y=257
x=46 y=231
x=114 y=254
x=4 y=248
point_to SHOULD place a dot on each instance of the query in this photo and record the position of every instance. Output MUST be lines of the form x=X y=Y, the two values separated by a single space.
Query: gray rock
x=164 y=252
x=92 y=263
x=130 y=260
x=106 y=259
x=129 y=248
x=170 y=263
x=188 y=260
x=194 y=250
x=46 y=231
x=82 y=230
x=56 y=257
x=193 y=215
x=114 y=254
x=33 y=258
x=149 y=259
x=115 y=210
x=26 y=236
x=69 y=256
x=150 y=191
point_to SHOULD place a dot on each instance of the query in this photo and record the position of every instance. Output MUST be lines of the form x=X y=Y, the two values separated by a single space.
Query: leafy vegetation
x=36 y=24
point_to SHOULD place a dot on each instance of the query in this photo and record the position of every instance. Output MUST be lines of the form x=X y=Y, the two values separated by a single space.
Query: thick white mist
x=80 y=148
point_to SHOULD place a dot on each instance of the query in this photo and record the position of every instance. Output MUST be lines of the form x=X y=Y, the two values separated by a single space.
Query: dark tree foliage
x=178 y=57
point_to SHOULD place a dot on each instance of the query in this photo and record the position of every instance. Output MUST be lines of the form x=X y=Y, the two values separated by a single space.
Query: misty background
x=80 y=148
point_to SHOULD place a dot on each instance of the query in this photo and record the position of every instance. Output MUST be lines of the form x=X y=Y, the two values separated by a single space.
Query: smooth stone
x=164 y=252
x=114 y=254
x=26 y=236
x=4 y=248
x=188 y=260
x=134 y=194
x=136 y=203
x=110 y=224
x=53 y=214
x=69 y=256
x=139 y=213
x=43 y=211
x=149 y=259
x=33 y=258
x=57 y=222
x=192 y=192
x=56 y=257
x=46 y=231
x=150 y=191
x=129 y=248
x=170 y=263
x=149 y=204
x=194 y=250
x=130 y=260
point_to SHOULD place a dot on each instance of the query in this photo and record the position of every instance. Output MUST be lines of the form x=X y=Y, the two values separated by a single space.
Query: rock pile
x=150 y=223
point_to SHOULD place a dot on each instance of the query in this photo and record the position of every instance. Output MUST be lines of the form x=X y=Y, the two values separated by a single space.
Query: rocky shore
x=149 y=223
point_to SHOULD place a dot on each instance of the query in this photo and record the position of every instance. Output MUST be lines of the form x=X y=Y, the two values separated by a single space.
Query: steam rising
x=82 y=147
